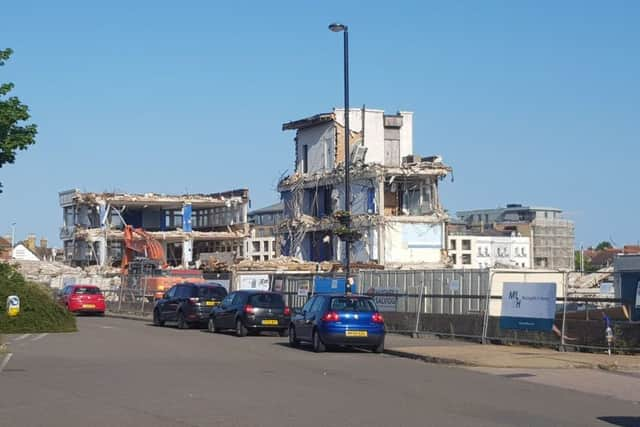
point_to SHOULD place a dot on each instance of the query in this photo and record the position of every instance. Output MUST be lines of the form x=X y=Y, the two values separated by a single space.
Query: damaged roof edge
x=309 y=121
x=221 y=197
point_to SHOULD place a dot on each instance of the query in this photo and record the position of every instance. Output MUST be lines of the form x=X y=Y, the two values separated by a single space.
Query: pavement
x=445 y=351
x=118 y=372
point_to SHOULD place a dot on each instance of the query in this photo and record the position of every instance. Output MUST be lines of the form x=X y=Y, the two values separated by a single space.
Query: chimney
x=31 y=242
x=43 y=243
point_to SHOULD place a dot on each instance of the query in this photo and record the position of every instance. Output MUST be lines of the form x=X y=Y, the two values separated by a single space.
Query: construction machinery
x=144 y=266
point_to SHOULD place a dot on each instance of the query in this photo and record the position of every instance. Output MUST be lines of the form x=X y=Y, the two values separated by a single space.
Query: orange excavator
x=136 y=240
x=144 y=265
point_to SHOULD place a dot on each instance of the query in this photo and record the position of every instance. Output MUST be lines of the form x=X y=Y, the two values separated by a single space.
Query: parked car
x=82 y=299
x=188 y=304
x=338 y=320
x=251 y=311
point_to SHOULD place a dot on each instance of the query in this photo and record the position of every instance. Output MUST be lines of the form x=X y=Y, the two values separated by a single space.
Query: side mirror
x=165 y=296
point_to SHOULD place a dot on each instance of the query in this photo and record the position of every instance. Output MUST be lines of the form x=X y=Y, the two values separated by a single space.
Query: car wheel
x=293 y=340
x=379 y=348
x=282 y=332
x=318 y=345
x=241 y=330
x=182 y=323
x=157 y=320
x=211 y=326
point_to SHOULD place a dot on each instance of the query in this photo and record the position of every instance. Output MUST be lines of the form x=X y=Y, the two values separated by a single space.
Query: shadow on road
x=622 y=421
x=333 y=349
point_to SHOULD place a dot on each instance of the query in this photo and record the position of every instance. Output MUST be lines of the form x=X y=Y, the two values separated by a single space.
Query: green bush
x=38 y=310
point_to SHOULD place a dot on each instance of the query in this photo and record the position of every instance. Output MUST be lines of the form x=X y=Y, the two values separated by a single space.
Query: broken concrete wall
x=320 y=148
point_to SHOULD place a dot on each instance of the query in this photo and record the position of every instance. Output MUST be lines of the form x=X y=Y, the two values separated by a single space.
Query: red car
x=83 y=299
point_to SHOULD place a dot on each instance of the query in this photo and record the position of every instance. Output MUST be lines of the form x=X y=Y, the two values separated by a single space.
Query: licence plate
x=88 y=306
x=211 y=303
x=269 y=322
x=356 y=333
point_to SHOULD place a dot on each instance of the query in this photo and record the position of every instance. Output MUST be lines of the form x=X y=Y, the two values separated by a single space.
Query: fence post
x=564 y=311
x=120 y=296
x=485 y=324
x=418 y=310
x=144 y=297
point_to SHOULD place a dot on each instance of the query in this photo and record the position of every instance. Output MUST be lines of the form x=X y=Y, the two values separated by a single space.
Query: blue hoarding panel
x=328 y=285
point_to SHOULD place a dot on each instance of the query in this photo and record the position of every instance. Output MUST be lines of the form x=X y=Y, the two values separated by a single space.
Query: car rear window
x=266 y=300
x=352 y=304
x=212 y=292
x=87 y=290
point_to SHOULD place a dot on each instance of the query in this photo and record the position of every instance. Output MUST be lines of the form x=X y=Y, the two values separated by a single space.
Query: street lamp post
x=13 y=237
x=337 y=28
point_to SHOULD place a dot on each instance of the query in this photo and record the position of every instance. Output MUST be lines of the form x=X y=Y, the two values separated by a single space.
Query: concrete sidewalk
x=505 y=356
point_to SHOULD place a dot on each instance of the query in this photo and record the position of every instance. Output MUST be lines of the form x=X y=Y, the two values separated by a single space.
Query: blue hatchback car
x=338 y=320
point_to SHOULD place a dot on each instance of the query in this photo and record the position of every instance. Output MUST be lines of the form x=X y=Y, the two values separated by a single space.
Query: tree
x=603 y=245
x=14 y=133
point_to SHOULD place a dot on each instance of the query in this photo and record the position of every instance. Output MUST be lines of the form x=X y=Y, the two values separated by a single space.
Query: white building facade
x=475 y=251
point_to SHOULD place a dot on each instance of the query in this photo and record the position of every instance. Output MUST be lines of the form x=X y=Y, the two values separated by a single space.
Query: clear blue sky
x=534 y=102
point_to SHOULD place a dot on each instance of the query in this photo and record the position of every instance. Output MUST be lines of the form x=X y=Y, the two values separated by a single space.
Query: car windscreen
x=352 y=304
x=212 y=292
x=87 y=290
x=266 y=300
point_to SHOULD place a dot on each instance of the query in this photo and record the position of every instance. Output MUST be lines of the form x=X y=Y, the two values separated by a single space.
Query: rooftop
x=275 y=208
x=154 y=199
x=512 y=208
x=309 y=121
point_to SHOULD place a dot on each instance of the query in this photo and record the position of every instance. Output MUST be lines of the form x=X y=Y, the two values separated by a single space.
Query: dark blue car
x=338 y=320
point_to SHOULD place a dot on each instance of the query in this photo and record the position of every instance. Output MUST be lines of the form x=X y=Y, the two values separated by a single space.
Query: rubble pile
x=55 y=273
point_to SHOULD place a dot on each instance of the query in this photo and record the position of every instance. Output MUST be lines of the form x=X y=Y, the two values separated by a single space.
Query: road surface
x=117 y=372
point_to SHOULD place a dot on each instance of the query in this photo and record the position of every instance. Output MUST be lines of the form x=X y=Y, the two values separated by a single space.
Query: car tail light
x=248 y=309
x=377 y=318
x=287 y=311
x=331 y=316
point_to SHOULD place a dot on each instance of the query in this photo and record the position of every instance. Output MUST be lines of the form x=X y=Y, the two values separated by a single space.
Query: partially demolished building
x=189 y=227
x=394 y=207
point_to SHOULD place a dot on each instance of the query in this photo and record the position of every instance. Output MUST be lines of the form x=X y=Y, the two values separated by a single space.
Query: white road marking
x=21 y=337
x=39 y=337
x=6 y=359
x=107 y=327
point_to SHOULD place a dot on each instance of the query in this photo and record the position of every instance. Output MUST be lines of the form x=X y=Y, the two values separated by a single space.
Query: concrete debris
x=154 y=198
x=364 y=171
x=55 y=274
x=95 y=234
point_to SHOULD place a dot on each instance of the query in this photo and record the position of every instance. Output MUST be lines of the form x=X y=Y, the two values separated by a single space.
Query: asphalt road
x=117 y=372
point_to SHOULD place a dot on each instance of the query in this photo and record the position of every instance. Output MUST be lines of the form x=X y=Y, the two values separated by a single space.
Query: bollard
x=13 y=305
x=609 y=335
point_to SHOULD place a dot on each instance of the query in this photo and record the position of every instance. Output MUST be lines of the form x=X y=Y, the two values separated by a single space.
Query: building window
x=305 y=158
x=466 y=259
x=256 y=246
x=466 y=245
x=452 y=244
x=454 y=259
x=265 y=245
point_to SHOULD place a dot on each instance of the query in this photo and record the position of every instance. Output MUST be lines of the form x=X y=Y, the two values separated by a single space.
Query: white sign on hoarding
x=254 y=282
x=530 y=306
x=303 y=290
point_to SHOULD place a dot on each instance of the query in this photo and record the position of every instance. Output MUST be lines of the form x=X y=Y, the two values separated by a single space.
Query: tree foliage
x=603 y=245
x=15 y=134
